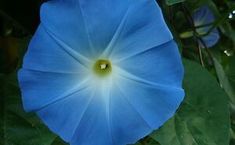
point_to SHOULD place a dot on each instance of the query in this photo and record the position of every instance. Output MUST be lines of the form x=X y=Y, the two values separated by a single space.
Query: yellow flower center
x=102 y=67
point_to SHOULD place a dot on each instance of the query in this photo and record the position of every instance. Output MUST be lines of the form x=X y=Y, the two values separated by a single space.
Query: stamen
x=103 y=66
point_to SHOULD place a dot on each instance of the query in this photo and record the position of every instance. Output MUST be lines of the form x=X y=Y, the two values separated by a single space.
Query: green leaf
x=203 y=118
x=172 y=2
x=147 y=141
x=224 y=81
x=231 y=71
x=58 y=141
x=18 y=127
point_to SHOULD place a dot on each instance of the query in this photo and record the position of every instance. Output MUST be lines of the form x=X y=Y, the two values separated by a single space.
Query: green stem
x=6 y=16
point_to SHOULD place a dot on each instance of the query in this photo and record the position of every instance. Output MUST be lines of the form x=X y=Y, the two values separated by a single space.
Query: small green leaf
x=172 y=2
x=203 y=118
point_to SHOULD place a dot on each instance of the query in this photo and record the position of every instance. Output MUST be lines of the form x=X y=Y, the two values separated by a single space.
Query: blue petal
x=40 y=89
x=148 y=92
x=63 y=116
x=147 y=106
x=93 y=128
x=160 y=64
x=81 y=118
x=102 y=19
x=65 y=20
x=203 y=16
x=129 y=111
x=44 y=54
x=125 y=117
x=90 y=26
x=211 y=39
x=142 y=28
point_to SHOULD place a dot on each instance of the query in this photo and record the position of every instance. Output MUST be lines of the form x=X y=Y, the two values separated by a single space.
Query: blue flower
x=102 y=72
x=203 y=17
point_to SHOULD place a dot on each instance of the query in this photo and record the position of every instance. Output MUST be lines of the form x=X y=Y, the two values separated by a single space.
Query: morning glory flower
x=102 y=72
x=203 y=16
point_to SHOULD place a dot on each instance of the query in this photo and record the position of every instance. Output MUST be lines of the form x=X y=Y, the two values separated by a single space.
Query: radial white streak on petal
x=80 y=86
x=103 y=87
x=127 y=75
x=85 y=25
x=132 y=106
x=106 y=88
x=80 y=58
x=132 y=55
x=108 y=50
x=93 y=93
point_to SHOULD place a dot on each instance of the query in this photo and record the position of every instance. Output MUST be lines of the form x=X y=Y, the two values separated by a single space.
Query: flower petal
x=204 y=16
x=154 y=104
x=211 y=39
x=94 y=28
x=40 y=89
x=63 y=116
x=161 y=65
x=65 y=20
x=81 y=118
x=102 y=19
x=45 y=54
x=93 y=129
x=124 y=119
x=146 y=106
x=144 y=28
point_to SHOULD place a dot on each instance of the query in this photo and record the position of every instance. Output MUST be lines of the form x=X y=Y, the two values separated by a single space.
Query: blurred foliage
x=207 y=115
